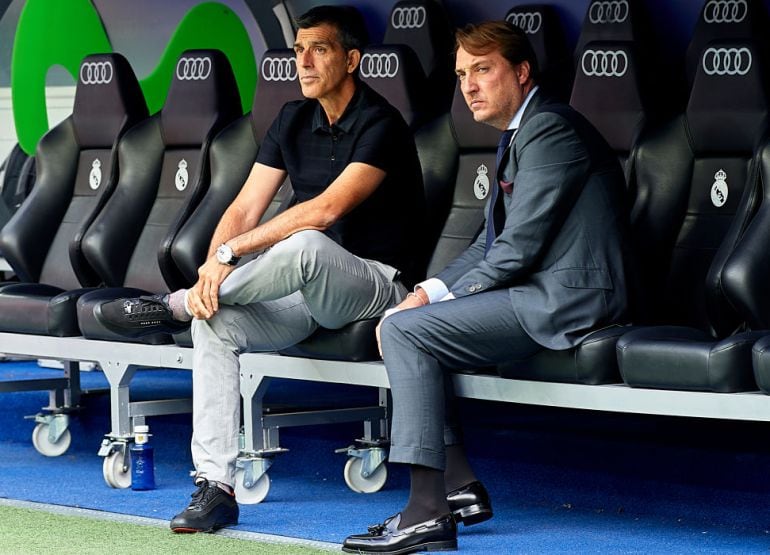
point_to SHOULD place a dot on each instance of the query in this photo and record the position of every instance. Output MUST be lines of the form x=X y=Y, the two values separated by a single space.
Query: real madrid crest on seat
x=481 y=185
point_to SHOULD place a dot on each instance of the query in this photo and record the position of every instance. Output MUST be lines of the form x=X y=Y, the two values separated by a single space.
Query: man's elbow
x=326 y=215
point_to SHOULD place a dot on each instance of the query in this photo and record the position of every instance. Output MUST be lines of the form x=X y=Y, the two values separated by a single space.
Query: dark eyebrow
x=315 y=43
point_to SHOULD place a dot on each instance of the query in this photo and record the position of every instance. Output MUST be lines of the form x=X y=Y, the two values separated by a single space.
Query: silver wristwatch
x=225 y=255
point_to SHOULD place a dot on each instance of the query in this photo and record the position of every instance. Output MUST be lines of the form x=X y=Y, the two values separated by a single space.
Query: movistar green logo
x=63 y=32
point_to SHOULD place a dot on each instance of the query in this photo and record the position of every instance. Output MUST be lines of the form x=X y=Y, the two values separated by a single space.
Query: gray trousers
x=272 y=302
x=421 y=345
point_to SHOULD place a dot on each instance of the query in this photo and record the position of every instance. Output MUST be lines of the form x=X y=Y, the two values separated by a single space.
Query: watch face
x=224 y=254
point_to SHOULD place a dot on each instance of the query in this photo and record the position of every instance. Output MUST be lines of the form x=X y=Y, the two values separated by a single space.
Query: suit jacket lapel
x=508 y=167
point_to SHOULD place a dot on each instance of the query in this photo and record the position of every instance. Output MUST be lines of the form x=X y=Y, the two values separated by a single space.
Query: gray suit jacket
x=563 y=251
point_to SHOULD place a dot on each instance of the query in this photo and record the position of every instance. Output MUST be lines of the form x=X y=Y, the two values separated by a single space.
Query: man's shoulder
x=559 y=114
x=297 y=108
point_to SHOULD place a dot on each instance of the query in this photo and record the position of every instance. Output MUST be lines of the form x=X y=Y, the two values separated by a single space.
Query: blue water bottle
x=142 y=463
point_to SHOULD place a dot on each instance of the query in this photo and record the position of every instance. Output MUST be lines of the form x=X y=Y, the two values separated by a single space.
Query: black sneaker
x=138 y=316
x=211 y=508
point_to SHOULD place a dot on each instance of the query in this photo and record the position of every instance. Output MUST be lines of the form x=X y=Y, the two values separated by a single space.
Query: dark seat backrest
x=697 y=182
x=541 y=24
x=394 y=71
x=608 y=92
x=232 y=156
x=627 y=21
x=721 y=20
x=424 y=26
x=278 y=84
x=166 y=163
x=76 y=168
x=746 y=273
x=458 y=163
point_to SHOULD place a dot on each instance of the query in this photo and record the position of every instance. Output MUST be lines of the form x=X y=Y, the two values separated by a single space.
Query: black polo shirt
x=387 y=226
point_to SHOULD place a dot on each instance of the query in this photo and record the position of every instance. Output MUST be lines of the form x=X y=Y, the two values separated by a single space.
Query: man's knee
x=400 y=329
x=309 y=241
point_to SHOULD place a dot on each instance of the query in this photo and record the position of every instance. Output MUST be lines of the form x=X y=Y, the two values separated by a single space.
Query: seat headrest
x=469 y=133
x=541 y=25
x=724 y=20
x=202 y=99
x=607 y=90
x=611 y=20
x=423 y=25
x=395 y=72
x=108 y=100
x=727 y=110
x=278 y=84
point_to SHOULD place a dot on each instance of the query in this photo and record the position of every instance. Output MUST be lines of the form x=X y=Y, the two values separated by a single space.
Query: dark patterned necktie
x=496 y=214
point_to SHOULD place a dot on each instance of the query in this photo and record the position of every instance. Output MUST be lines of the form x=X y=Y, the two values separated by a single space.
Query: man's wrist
x=420 y=294
x=433 y=289
x=225 y=255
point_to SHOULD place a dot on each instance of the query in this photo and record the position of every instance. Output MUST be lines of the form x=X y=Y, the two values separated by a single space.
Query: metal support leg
x=119 y=375
x=72 y=375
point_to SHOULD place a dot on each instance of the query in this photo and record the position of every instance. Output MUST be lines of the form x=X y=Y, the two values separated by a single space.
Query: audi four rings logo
x=193 y=69
x=604 y=63
x=96 y=73
x=727 y=61
x=529 y=22
x=615 y=11
x=379 y=65
x=412 y=17
x=725 y=11
x=279 y=69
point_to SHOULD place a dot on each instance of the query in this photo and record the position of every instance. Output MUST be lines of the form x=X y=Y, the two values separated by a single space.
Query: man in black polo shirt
x=347 y=251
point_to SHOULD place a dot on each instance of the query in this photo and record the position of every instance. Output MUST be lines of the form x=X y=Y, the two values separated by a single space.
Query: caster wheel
x=358 y=483
x=115 y=474
x=253 y=495
x=44 y=445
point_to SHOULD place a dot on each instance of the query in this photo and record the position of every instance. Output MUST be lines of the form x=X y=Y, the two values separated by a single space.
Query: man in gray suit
x=549 y=268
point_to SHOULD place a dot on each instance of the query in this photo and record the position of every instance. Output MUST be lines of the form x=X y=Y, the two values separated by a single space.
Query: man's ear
x=522 y=72
x=354 y=58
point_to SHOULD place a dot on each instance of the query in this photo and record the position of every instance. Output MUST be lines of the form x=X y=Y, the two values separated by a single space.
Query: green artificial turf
x=27 y=531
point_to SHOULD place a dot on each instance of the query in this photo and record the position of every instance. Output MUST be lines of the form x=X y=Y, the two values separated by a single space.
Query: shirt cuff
x=435 y=289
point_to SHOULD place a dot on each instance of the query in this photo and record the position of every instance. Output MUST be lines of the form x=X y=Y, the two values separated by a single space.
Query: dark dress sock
x=458 y=471
x=427 y=499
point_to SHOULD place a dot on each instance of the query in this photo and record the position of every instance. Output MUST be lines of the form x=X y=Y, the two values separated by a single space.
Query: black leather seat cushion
x=592 y=362
x=355 y=342
x=760 y=355
x=677 y=357
x=39 y=309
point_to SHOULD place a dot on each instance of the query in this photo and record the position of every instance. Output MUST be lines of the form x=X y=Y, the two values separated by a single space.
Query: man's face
x=492 y=88
x=322 y=62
